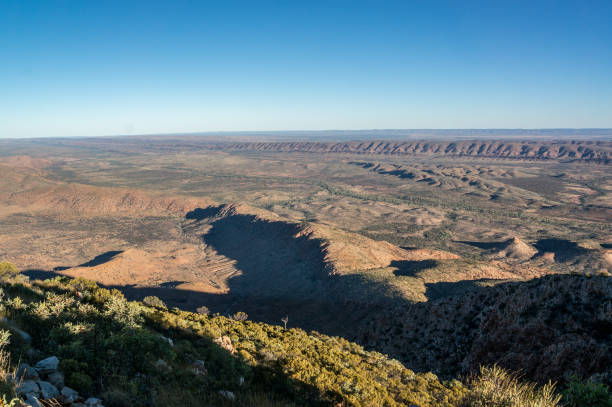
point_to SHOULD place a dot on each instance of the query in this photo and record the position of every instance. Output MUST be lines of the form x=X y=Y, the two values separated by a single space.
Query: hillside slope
x=129 y=354
x=546 y=328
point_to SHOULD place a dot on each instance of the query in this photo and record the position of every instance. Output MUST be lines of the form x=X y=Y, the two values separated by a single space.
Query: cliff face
x=544 y=328
x=593 y=151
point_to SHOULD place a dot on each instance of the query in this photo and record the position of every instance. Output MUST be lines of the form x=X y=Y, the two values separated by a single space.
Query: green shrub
x=81 y=382
x=579 y=393
x=7 y=269
x=153 y=301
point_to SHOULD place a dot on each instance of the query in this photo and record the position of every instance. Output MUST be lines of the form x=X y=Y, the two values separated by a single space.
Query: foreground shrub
x=153 y=301
x=586 y=394
x=8 y=269
x=495 y=387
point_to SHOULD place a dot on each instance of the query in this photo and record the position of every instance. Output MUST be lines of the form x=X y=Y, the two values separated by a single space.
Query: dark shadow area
x=606 y=245
x=402 y=174
x=100 y=259
x=203 y=213
x=38 y=274
x=274 y=257
x=433 y=291
x=483 y=245
x=564 y=250
x=409 y=268
x=171 y=284
x=45 y=274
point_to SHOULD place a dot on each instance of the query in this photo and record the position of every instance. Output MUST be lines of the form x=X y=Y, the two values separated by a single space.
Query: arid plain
x=339 y=237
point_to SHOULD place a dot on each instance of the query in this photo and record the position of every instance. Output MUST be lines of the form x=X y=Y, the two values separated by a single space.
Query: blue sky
x=88 y=68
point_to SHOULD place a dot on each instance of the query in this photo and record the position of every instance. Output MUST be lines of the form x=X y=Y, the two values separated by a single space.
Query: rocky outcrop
x=570 y=150
x=226 y=343
x=43 y=385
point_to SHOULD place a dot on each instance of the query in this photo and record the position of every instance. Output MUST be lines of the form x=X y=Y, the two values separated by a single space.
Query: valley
x=363 y=240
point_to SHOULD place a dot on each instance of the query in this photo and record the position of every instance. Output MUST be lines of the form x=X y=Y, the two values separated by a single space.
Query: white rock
x=48 y=365
x=47 y=390
x=227 y=394
x=170 y=341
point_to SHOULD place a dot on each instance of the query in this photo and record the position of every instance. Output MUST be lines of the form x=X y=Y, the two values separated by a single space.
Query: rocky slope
x=546 y=328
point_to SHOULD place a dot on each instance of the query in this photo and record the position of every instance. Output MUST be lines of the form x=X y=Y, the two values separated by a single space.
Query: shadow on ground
x=410 y=268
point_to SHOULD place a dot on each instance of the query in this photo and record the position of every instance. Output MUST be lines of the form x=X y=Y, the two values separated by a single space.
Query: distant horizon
x=93 y=68
x=391 y=133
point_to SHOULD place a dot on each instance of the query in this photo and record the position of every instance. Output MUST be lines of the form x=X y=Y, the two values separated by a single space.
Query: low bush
x=588 y=393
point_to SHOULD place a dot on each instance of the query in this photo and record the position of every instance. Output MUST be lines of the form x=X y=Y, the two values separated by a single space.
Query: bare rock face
x=545 y=328
x=226 y=343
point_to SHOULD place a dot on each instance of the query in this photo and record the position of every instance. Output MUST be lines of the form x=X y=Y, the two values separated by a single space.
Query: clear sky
x=87 y=68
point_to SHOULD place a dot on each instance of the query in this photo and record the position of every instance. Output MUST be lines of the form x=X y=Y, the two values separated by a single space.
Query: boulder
x=56 y=379
x=47 y=390
x=23 y=334
x=27 y=387
x=69 y=395
x=198 y=368
x=162 y=365
x=32 y=400
x=48 y=365
x=227 y=394
x=26 y=372
x=170 y=341
x=93 y=402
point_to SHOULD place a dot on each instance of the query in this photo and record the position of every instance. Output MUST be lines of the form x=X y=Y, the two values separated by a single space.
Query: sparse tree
x=203 y=310
x=8 y=269
x=240 y=316
x=153 y=301
x=285 y=319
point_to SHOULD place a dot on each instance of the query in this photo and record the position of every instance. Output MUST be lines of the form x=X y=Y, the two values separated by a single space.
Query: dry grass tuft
x=496 y=387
